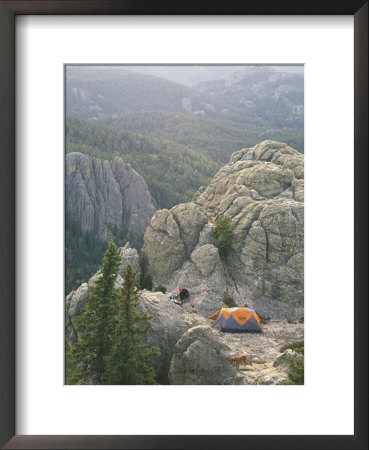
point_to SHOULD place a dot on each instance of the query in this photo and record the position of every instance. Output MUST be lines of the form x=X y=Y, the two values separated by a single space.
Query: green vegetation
x=145 y=279
x=296 y=372
x=229 y=301
x=160 y=288
x=71 y=369
x=98 y=321
x=296 y=346
x=173 y=172
x=146 y=282
x=84 y=251
x=128 y=360
x=214 y=137
x=223 y=236
x=110 y=349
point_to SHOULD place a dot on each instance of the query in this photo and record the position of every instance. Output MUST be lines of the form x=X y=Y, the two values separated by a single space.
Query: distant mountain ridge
x=276 y=97
x=92 y=93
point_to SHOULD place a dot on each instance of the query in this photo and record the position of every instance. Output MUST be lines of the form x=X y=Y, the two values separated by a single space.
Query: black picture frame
x=8 y=11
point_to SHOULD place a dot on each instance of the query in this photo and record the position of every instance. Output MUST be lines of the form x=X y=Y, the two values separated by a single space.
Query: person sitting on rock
x=183 y=294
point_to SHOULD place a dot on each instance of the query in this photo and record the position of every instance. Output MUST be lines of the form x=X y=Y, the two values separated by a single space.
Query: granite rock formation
x=106 y=196
x=262 y=191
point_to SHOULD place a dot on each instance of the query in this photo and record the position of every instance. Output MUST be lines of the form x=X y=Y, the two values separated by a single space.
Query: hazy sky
x=190 y=75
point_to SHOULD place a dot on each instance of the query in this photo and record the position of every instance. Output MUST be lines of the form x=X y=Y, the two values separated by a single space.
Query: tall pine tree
x=98 y=322
x=128 y=361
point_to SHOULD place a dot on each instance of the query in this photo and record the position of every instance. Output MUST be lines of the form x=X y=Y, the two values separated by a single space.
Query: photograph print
x=184 y=224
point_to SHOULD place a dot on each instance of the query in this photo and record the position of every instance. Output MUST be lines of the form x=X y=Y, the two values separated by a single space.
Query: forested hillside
x=82 y=254
x=217 y=138
x=173 y=172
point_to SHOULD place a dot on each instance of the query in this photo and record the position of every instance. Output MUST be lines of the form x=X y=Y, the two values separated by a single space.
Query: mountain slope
x=173 y=172
x=275 y=97
x=216 y=137
x=93 y=91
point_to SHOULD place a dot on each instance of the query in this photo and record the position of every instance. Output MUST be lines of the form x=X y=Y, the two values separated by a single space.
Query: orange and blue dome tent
x=237 y=319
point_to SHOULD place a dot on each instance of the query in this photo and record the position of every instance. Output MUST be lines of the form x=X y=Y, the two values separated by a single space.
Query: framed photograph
x=153 y=183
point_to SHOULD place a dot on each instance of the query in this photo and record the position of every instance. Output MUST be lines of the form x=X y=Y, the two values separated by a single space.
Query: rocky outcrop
x=201 y=358
x=105 y=197
x=262 y=191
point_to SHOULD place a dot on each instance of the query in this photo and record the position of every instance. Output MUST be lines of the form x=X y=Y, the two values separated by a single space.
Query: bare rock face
x=171 y=238
x=129 y=256
x=201 y=358
x=104 y=196
x=167 y=324
x=262 y=191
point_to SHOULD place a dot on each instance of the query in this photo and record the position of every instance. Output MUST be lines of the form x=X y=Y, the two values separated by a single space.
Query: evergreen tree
x=128 y=361
x=223 y=236
x=98 y=321
x=296 y=373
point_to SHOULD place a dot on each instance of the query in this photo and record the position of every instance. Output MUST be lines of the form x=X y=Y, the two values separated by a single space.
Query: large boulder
x=170 y=239
x=201 y=358
x=167 y=324
x=205 y=278
x=163 y=250
x=105 y=197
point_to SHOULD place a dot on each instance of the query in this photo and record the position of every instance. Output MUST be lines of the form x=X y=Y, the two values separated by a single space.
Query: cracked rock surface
x=262 y=191
x=103 y=196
